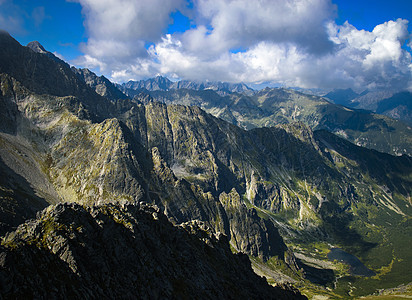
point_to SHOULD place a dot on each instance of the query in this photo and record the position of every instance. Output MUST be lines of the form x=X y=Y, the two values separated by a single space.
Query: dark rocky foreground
x=124 y=251
x=68 y=136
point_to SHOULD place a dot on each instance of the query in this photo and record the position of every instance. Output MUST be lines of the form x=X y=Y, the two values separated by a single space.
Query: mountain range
x=161 y=83
x=150 y=170
x=272 y=106
x=395 y=105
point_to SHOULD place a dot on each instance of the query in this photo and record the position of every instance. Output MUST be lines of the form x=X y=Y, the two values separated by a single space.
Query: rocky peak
x=160 y=83
x=100 y=84
x=151 y=84
x=36 y=47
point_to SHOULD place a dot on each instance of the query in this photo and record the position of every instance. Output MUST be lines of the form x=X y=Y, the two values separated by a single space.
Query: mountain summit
x=160 y=83
x=36 y=47
x=171 y=186
x=100 y=84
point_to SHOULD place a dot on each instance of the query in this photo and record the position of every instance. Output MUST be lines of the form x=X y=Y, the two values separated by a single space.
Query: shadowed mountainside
x=270 y=107
x=128 y=251
x=263 y=188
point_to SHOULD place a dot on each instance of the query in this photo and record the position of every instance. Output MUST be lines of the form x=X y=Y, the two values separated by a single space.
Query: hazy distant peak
x=342 y=96
x=160 y=83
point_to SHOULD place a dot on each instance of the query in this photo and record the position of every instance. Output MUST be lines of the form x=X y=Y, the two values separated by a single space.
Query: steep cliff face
x=100 y=84
x=270 y=107
x=24 y=187
x=245 y=222
x=193 y=166
x=195 y=145
x=46 y=76
x=124 y=251
x=135 y=156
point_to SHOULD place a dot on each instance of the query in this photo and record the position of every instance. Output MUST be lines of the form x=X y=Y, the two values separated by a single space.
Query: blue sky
x=323 y=44
x=366 y=14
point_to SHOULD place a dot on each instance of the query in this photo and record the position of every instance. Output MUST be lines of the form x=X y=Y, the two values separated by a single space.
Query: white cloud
x=90 y=62
x=360 y=59
x=389 y=38
x=119 y=29
x=244 y=23
x=58 y=55
x=291 y=42
x=375 y=59
x=125 y=19
x=38 y=15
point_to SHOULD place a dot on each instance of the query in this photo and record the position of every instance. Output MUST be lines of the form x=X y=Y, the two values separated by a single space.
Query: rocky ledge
x=124 y=251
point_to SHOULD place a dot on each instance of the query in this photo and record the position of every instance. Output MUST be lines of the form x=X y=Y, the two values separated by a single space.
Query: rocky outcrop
x=248 y=232
x=72 y=147
x=100 y=84
x=38 y=48
x=124 y=251
x=43 y=75
x=270 y=107
x=192 y=202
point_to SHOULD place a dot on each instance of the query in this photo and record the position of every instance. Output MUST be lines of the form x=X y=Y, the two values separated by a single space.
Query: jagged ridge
x=195 y=166
x=270 y=107
x=127 y=251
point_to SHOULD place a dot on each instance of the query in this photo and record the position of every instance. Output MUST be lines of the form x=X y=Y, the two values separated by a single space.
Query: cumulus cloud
x=58 y=55
x=244 y=23
x=289 y=42
x=119 y=29
x=360 y=59
x=375 y=59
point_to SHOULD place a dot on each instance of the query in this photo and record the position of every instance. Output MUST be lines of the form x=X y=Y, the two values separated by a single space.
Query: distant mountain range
x=395 y=105
x=160 y=83
x=270 y=107
x=248 y=109
x=97 y=189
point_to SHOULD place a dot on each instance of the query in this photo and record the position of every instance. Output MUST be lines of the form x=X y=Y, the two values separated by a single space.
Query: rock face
x=66 y=143
x=399 y=106
x=100 y=84
x=270 y=107
x=246 y=223
x=124 y=251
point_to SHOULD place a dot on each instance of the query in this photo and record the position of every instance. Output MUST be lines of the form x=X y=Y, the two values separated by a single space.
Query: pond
x=355 y=265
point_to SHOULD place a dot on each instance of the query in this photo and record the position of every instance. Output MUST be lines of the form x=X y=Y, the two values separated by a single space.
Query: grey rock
x=114 y=251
